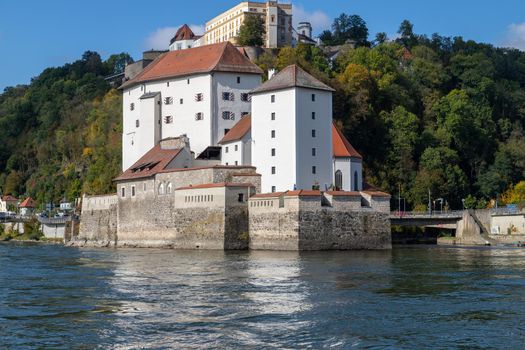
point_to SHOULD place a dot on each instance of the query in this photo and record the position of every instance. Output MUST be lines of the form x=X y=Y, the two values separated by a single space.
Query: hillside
x=439 y=114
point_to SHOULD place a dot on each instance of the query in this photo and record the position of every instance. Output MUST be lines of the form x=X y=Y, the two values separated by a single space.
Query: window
x=168 y=119
x=245 y=97
x=132 y=191
x=238 y=80
x=313 y=97
x=161 y=189
x=272 y=98
x=168 y=188
x=236 y=148
x=226 y=149
x=314 y=170
x=132 y=107
x=313 y=133
x=228 y=96
x=181 y=101
x=199 y=97
x=313 y=115
x=168 y=100
x=168 y=84
x=226 y=115
x=236 y=163
x=241 y=197
x=137 y=123
x=273 y=170
x=273 y=152
x=188 y=81
x=144 y=187
x=314 y=152
x=338 y=180
x=273 y=115
x=356 y=181
x=123 y=192
x=199 y=116
x=273 y=189
x=273 y=134
x=273 y=18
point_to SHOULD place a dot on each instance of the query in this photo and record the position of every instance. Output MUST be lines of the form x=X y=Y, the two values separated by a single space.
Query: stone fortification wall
x=98 y=225
x=188 y=219
x=303 y=223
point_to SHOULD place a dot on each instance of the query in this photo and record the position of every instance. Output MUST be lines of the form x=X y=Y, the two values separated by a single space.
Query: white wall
x=183 y=44
x=284 y=141
x=348 y=166
x=227 y=82
x=322 y=142
x=202 y=133
x=229 y=155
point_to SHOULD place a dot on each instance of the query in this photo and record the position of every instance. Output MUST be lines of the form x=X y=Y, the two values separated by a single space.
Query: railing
x=426 y=215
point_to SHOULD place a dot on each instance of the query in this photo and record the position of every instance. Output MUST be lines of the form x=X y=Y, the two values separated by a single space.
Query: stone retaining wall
x=98 y=225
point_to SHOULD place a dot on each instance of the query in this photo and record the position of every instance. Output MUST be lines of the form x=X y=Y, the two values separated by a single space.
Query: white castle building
x=214 y=95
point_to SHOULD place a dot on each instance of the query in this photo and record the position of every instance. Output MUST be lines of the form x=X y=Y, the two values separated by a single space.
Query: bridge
x=447 y=220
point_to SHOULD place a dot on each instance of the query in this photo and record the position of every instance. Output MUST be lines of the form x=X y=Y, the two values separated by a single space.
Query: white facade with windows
x=348 y=174
x=292 y=132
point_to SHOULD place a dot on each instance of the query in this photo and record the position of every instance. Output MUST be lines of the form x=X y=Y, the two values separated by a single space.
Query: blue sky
x=36 y=34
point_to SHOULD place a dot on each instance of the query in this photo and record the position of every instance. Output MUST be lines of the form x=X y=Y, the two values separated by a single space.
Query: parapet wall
x=316 y=222
x=98 y=226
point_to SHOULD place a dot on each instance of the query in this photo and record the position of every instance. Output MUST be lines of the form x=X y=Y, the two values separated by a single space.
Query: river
x=408 y=298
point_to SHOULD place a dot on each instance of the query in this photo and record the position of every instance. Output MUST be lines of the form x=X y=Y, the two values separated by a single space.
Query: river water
x=408 y=298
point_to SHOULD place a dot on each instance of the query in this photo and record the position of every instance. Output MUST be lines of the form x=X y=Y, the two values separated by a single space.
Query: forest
x=437 y=115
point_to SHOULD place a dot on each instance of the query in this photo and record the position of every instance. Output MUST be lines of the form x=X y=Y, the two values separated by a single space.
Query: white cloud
x=515 y=36
x=319 y=20
x=160 y=39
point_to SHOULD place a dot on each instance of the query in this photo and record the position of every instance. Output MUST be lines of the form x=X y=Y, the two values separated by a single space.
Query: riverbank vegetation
x=437 y=114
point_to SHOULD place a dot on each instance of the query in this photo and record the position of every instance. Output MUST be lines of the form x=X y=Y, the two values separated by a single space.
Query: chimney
x=271 y=73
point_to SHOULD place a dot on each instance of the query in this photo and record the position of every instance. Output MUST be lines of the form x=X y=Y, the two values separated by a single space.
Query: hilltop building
x=7 y=202
x=185 y=39
x=277 y=18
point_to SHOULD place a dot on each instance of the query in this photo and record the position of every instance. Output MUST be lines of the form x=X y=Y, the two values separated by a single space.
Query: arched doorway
x=338 y=180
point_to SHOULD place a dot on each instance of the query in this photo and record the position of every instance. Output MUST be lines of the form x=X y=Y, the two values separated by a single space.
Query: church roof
x=222 y=57
x=238 y=131
x=292 y=76
x=341 y=146
x=184 y=33
x=153 y=162
x=28 y=203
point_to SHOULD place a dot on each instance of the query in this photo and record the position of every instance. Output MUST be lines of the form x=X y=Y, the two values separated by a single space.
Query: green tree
x=252 y=31
x=406 y=33
x=350 y=28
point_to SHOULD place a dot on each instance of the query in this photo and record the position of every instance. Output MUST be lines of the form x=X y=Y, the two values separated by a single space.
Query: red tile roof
x=215 y=185
x=292 y=76
x=303 y=193
x=268 y=195
x=341 y=146
x=344 y=193
x=150 y=164
x=223 y=57
x=184 y=33
x=241 y=128
x=9 y=198
x=28 y=203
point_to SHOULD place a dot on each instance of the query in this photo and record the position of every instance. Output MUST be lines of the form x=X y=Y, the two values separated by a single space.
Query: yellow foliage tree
x=515 y=194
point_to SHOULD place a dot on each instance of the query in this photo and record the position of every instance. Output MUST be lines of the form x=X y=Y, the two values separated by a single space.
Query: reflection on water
x=417 y=297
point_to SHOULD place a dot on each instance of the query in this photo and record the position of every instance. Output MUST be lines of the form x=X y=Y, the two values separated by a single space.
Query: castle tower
x=305 y=28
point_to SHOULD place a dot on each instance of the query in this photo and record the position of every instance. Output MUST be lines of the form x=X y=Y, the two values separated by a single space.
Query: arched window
x=339 y=180
x=161 y=188
x=168 y=188
x=356 y=181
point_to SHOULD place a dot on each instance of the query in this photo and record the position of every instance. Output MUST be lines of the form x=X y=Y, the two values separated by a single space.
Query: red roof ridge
x=341 y=146
x=343 y=193
x=303 y=193
x=28 y=203
x=215 y=185
x=268 y=195
x=237 y=132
